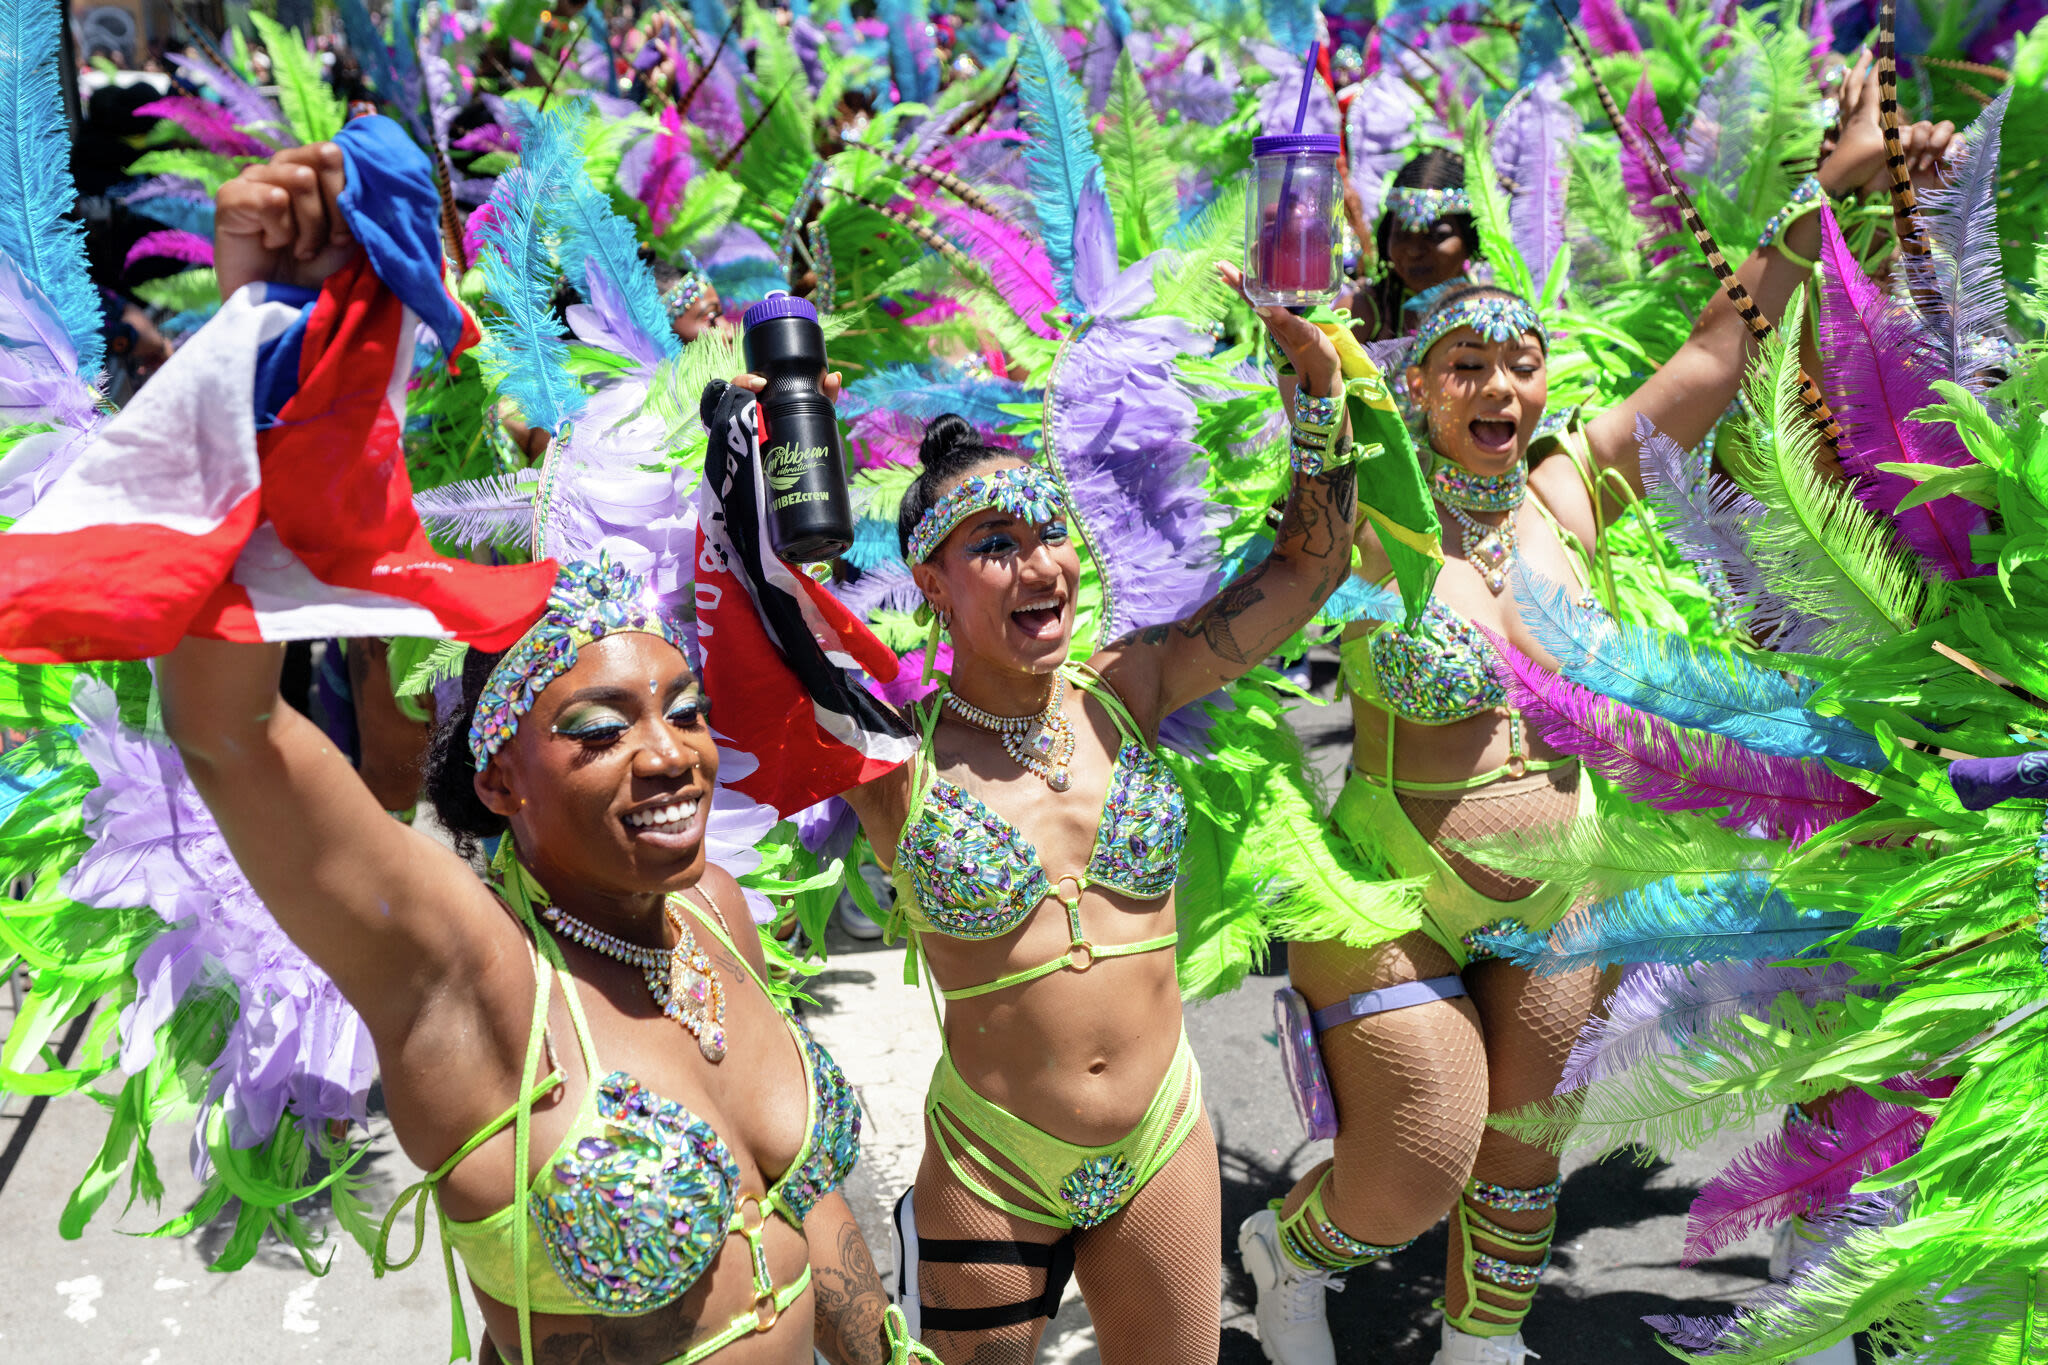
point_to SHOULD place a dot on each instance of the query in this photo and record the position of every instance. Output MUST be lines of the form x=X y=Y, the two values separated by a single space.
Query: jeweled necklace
x=1489 y=549
x=1041 y=743
x=681 y=979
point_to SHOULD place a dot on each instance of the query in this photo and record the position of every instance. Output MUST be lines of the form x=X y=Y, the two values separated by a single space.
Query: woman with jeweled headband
x=1035 y=843
x=1424 y=239
x=1421 y=1039
x=633 y=1149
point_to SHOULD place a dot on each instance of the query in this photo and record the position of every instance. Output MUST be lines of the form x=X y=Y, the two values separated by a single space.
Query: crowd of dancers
x=450 y=670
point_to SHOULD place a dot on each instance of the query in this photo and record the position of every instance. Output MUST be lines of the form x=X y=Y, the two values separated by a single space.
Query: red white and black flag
x=784 y=661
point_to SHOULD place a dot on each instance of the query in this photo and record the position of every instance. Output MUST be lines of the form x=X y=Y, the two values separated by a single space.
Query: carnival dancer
x=1035 y=843
x=1424 y=240
x=1421 y=1037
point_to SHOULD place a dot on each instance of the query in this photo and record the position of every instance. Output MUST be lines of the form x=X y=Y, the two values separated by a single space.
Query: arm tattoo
x=1215 y=623
x=849 y=1304
x=1147 y=635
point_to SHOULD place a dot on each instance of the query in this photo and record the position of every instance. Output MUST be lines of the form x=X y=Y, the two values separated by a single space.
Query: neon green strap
x=1517 y=1301
x=1080 y=957
x=763 y=1315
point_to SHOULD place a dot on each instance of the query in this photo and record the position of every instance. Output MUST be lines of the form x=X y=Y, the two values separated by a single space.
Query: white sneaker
x=1462 y=1348
x=1293 y=1329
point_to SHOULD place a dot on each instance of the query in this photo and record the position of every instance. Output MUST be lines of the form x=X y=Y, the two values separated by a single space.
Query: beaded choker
x=1024 y=491
x=1416 y=209
x=1460 y=487
x=681 y=979
x=588 y=602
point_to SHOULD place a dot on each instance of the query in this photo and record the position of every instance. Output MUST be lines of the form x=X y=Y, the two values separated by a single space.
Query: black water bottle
x=810 y=516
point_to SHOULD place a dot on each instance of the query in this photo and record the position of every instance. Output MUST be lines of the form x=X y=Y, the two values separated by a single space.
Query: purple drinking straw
x=1308 y=73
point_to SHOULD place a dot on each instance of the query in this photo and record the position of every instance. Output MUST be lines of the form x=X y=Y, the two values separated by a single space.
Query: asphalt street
x=114 y=1296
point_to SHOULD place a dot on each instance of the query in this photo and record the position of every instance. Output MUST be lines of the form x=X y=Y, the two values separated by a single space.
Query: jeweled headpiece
x=1416 y=209
x=588 y=602
x=1024 y=491
x=681 y=296
x=1495 y=316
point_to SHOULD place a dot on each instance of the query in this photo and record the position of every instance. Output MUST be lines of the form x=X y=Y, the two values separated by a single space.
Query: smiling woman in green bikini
x=634 y=1149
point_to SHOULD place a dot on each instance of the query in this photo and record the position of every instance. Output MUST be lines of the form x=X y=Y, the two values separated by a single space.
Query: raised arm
x=1162 y=668
x=386 y=911
x=1689 y=392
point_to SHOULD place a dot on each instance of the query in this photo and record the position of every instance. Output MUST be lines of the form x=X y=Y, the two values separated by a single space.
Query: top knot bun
x=950 y=445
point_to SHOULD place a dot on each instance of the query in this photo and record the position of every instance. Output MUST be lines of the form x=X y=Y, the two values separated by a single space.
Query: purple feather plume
x=252 y=112
x=1708 y=518
x=206 y=123
x=1121 y=429
x=1659 y=1008
x=1880 y=365
x=168 y=187
x=1607 y=31
x=173 y=244
x=1673 y=768
x=1380 y=129
x=1529 y=152
x=1962 y=264
x=295 y=1043
x=1805 y=1168
x=1638 y=174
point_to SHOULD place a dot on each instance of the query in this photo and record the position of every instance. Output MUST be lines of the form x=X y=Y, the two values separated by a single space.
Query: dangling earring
x=927 y=615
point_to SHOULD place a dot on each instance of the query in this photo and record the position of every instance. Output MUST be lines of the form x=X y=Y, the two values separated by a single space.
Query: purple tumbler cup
x=1293 y=220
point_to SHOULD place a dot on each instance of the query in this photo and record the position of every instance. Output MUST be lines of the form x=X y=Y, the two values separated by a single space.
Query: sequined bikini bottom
x=1044 y=1178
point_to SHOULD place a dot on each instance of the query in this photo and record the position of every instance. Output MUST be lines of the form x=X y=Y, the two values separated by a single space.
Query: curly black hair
x=451 y=770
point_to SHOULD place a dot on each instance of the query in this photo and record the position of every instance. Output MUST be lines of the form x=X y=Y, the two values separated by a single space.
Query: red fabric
x=761 y=705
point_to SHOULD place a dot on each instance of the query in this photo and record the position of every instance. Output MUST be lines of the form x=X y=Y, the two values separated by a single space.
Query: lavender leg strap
x=1398 y=997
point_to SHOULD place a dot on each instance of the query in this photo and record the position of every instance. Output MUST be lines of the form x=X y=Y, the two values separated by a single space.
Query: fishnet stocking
x=1153 y=1274
x=946 y=1209
x=1410 y=1087
x=1531 y=1023
x=1518 y=803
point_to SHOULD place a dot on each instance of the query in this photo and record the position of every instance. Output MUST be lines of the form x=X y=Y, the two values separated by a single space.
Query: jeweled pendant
x=711 y=1042
x=1059 y=781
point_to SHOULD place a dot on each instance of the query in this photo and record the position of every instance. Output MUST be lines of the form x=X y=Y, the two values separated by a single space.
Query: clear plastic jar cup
x=1294 y=218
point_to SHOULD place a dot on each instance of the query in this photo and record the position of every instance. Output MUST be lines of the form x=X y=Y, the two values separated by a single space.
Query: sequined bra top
x=640 y=1195
x=964 y=871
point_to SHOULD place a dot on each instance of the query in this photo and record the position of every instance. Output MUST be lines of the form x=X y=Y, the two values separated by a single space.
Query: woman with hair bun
x=1424 y=239
x=1035 y=844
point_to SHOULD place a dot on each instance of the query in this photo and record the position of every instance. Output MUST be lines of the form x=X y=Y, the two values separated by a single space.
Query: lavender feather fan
x=1529 y=153
x=1379 y=127
x=1962 y=265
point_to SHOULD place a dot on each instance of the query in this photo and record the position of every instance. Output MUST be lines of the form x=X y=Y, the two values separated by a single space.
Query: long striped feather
x=1060 y=161
x=35 y=177
x=1905 y=206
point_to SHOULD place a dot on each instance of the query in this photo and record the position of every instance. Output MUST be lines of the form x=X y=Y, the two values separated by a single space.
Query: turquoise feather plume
x=524 y=350
x=1733 y=918
x=1060 y=161
x=592 y=240
x=35 y=177
x=1668 y=676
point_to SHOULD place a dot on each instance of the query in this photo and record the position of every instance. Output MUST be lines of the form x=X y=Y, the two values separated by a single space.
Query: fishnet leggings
x=1152 y=1275
x=1414 y=1086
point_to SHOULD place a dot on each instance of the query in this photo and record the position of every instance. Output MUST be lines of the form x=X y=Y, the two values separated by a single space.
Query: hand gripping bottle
x=810 y=516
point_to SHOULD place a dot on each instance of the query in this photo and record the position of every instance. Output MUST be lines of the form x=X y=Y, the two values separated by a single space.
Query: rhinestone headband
x=1024 y=491
x=681 y=296
x=588 y=602
x=1415 y=209
x=1496 y=317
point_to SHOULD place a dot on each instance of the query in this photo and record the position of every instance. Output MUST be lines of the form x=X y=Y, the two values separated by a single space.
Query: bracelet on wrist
x=1319 y=413
x=1807 y=197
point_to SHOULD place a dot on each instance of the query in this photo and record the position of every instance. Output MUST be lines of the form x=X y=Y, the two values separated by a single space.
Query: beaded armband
x=1314 y=433
x=1510 y=1200
x=1807 y=197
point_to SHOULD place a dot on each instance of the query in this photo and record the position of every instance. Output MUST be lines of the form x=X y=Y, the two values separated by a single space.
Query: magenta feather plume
x=247 y=107
x=1606 y=30
x=173 y=244
x=715 y=107
x=669 y=167
x=883 y=437
x=1879 y=372
x=989 y=158
x=1017 y=265
x=1673 y=768
x=1638 y=175
x=1804 y=1168
x=206 y=123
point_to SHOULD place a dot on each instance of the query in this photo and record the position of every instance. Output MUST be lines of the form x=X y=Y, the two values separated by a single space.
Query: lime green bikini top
x=639 y=1196
x=964 y=871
